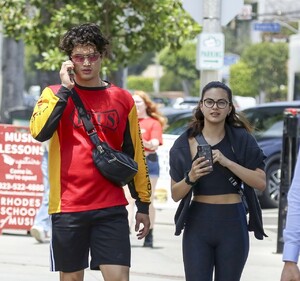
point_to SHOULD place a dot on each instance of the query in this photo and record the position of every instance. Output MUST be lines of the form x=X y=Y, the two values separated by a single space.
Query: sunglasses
x=81 y=58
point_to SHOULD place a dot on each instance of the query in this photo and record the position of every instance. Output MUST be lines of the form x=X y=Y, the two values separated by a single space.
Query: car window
x=274 y=131
x=266 y=121
x=179 y=126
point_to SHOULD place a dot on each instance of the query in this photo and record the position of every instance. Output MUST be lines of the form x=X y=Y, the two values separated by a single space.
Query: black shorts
x=104 y=234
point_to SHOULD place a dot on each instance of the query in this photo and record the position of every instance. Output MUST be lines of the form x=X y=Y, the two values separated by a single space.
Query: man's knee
x=71 y=276
x=112 y=272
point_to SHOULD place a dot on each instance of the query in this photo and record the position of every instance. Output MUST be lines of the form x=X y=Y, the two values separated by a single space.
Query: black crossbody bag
x=114 y=165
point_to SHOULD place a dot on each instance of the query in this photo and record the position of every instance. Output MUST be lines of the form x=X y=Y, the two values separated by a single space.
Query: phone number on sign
x=21 y=186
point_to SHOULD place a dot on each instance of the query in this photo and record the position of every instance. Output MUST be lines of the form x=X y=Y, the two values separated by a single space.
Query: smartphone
x=205 y=150
x=71 y=74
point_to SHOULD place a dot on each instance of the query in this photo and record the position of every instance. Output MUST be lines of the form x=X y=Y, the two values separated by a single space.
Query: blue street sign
x=230 y=59
x=267 y=27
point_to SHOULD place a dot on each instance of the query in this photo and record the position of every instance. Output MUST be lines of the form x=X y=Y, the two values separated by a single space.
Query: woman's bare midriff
x=218 y=199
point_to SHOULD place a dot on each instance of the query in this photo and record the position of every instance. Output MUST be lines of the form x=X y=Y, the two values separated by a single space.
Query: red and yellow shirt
x=75 y=183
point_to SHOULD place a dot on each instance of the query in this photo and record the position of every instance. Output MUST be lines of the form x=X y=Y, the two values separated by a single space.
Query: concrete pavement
x=23 y=259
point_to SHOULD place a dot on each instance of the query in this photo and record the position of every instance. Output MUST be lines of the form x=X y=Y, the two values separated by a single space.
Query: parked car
x=268 y=122
x=185 y=103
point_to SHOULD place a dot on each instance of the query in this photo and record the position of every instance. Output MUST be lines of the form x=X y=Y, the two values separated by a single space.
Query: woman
x=152 y=124
x=215 y=240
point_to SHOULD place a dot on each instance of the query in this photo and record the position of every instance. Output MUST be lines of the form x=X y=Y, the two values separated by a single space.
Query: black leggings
x=215 y=241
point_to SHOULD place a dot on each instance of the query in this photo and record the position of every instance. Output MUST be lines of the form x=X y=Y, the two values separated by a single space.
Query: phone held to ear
x=71 y=74
x=205 y=150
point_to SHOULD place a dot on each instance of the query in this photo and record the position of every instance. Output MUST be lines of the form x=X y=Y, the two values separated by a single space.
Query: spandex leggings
x=215 y=242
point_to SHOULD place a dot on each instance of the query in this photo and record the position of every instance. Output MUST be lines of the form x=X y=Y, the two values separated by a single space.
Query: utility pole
x=211 y=14
x=294 y=65
x=211 y=24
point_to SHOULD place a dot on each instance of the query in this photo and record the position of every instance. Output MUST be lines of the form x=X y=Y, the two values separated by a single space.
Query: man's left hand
x=144 y=219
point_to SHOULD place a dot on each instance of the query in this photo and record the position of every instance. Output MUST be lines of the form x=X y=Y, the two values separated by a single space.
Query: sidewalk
x=23 y=259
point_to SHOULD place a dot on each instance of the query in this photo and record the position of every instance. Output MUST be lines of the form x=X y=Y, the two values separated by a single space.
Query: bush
x=140 y=83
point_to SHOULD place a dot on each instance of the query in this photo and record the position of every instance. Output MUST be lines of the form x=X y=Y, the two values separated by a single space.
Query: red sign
x=21 y=180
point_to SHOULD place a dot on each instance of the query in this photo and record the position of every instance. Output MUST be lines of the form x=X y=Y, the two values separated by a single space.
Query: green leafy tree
x=261 y=71
x=268 y=64
x=242 y=80
x=140 y=83
x=134 y=27
x=181 y=65
x=131 y=25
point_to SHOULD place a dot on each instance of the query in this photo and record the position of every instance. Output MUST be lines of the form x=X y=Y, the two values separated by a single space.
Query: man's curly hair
x=85 y=34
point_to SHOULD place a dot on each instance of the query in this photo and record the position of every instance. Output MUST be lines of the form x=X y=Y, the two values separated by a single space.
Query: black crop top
x=217 y=182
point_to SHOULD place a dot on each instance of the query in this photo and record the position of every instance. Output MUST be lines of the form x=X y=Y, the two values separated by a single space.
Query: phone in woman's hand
x=205 y=150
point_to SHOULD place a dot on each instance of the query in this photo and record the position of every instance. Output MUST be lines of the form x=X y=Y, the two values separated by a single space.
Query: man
x=88 y=212
x=291 y=234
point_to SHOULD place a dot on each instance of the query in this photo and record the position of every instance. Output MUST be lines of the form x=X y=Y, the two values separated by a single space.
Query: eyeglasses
x=221 y=104
x=81 y=58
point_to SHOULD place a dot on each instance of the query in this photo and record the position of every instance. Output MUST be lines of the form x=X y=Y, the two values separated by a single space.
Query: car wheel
x=270 y=196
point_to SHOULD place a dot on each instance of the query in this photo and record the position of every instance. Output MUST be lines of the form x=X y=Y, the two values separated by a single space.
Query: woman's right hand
x=199 y=169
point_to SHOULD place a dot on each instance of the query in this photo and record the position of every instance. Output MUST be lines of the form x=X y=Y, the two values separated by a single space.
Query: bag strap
x=200 y=139
x=88 y=125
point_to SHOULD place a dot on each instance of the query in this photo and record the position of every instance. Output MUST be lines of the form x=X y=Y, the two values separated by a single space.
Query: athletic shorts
x=99 y=235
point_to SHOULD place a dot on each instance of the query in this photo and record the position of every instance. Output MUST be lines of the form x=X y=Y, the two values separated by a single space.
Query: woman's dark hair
x=85 y=34
x=233 y=119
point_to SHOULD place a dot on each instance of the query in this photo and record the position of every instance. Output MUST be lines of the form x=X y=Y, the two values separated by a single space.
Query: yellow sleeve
x=47 y=113
x=140 y=187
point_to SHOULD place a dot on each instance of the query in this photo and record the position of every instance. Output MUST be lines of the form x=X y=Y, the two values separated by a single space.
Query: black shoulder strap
x=200 y=139
x=88 y=125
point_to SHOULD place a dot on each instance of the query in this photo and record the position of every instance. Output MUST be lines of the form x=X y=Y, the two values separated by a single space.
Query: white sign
x=210 y=51
x=162 y=195
x=229 y=9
